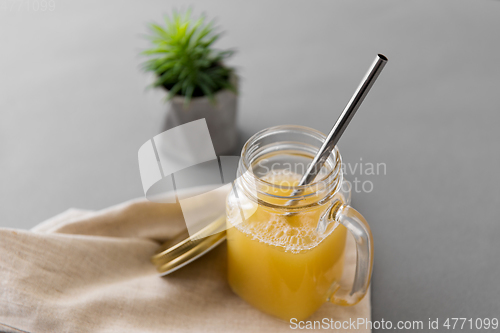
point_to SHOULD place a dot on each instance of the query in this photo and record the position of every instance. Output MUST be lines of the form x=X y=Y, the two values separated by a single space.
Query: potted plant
x=193 y=72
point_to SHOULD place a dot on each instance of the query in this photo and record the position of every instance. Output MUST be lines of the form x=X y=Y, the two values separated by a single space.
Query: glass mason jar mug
x=286 y=242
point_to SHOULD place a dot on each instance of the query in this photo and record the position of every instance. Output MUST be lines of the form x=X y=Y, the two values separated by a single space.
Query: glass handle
x=358 y=227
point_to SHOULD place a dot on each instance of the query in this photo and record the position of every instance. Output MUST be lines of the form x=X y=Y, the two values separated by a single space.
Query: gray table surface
x=74 y=111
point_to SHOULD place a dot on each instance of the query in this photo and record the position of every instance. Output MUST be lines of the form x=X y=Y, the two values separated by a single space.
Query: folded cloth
x=85 y=271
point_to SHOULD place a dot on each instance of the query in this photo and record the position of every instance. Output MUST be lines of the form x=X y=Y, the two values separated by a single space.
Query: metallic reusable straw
x=342 y=122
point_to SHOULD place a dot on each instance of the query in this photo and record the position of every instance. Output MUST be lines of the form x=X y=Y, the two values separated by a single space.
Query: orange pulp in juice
x=279 y=263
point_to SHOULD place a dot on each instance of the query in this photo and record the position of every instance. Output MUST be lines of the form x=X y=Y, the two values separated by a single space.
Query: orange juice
x=279 y=263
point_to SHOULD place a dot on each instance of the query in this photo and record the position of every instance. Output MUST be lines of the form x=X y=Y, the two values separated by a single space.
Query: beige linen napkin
x=84 y=271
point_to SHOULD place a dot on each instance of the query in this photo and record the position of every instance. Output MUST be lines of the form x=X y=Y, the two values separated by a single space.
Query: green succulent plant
x=184 y=60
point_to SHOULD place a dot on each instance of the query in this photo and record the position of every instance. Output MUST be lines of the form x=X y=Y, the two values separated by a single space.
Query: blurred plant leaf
x=183 y=58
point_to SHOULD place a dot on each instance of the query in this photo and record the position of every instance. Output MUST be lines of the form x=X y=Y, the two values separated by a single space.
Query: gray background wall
x=74 y=111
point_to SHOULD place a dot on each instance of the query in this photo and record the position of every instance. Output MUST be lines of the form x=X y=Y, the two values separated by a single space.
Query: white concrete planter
x=221 y=118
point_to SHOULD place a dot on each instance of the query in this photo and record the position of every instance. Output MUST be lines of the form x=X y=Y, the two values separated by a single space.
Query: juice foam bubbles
x=294 y=233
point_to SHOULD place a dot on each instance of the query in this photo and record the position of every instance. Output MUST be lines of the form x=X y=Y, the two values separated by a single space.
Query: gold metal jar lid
x=184 y=249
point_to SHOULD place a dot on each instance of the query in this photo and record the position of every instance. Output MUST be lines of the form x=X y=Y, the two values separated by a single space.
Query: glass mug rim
x=324 y=188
